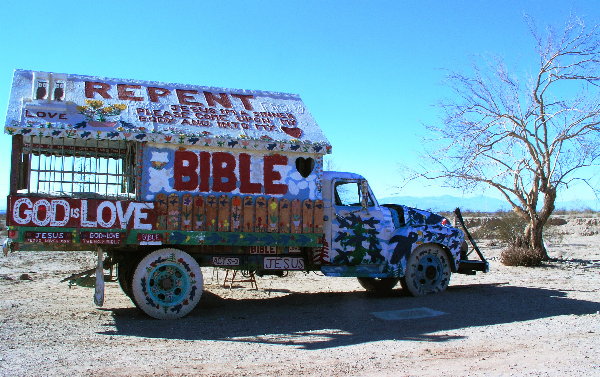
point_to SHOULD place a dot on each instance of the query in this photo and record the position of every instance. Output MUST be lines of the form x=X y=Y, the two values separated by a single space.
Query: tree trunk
x=535 y=240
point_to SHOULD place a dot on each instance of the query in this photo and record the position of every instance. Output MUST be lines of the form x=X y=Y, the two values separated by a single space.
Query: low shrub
x=520 y=256
x=518 y=253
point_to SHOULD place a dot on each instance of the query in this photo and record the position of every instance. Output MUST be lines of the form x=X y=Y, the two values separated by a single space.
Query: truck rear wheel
x=167 y=284
x=427 y=270
x=378 y=285
x=124 y=275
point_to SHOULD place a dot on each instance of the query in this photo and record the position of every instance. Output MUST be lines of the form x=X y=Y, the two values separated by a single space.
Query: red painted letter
x=272 y=175
x=247 y=187
x=97 y=87
x=204 y=171
x=223 y=165
x=186 y=178
x=245 y=98
x=126 y=92
x=222 y=99
x=185 y=97
x=155 y=93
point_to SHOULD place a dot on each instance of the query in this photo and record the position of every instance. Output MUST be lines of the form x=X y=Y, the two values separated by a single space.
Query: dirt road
x=512 y=321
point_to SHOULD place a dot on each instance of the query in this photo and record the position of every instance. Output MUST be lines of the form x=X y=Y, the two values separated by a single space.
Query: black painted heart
x=305 y=166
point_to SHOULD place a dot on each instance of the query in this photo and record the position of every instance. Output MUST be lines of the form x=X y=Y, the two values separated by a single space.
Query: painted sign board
x=225 y=261
x=283 y=263
x=168 y=169
x=76 y=106
x=114 y=222
x=48 y=237
x=263 y=250
x=101 y=238
x=80 y=213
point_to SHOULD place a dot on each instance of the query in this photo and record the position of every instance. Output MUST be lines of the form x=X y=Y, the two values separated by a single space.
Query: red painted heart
x=293 y=132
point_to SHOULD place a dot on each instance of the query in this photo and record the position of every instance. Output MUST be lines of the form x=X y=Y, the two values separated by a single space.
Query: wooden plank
x=211 y=207
x=174 y=215
x=284 y=215
x=248 y=214
x=260 y=215
x=296 y=216
x=318 y=216
x=161 y=208
x=224 y=214
x=307 y=216
x=273 y=215
x=236 y=214
x=139 y=147
x=16 y=169
x=187 y=211
x=199 y=215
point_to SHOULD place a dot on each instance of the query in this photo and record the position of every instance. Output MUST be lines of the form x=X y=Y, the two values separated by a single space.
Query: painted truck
x=162 y=179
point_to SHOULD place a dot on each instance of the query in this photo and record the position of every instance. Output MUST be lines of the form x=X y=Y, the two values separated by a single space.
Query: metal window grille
x=78 y=168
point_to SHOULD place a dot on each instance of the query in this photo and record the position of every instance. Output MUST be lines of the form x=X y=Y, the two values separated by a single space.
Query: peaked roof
x=82 y=107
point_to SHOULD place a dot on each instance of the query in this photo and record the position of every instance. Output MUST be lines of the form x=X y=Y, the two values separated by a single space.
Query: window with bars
x=78 y=167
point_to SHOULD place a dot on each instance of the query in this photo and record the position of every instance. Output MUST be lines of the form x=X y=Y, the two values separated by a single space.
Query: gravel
x=512 y=321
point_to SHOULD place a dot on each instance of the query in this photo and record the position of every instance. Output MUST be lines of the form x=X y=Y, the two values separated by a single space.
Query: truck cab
x=384 y=244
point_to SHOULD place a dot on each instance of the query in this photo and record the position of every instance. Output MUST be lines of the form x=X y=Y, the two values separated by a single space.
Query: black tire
x=125 y=275
x=167 y=284
x=427 y=271
x=378 y=285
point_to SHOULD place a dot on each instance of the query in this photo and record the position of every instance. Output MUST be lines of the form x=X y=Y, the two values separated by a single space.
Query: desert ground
x=542 y=321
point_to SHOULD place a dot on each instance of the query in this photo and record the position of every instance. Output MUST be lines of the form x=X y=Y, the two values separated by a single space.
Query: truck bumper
x=470 y=267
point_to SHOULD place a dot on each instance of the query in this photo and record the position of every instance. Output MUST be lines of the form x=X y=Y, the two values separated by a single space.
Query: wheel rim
x=429 y=273
x=168 y=284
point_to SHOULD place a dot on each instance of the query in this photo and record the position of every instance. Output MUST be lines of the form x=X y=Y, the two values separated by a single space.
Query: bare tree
x=526 y=138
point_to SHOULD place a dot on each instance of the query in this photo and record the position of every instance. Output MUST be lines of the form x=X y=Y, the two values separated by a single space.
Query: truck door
x=359 y=231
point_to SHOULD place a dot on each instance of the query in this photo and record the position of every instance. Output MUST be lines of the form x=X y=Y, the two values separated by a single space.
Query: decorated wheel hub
x=168 y=284
x=429 y=270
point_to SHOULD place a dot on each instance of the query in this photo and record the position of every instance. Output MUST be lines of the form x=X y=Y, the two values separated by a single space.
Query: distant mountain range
x=477 y=203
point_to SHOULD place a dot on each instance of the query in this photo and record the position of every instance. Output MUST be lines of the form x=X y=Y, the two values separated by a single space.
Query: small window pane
x=347 y=194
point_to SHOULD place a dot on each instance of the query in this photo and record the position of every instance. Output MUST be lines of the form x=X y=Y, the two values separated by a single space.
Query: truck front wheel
x=427 y=270
x=378 y=285
x=167 y=284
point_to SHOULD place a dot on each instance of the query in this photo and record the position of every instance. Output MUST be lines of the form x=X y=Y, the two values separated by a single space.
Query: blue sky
x=369 y=71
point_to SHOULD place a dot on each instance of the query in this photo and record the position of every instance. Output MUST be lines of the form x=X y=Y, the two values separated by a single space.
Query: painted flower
x=94 y=110
x=94 y=104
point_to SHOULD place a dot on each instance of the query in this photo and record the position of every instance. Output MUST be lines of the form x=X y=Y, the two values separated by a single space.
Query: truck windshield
x=78 y=168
